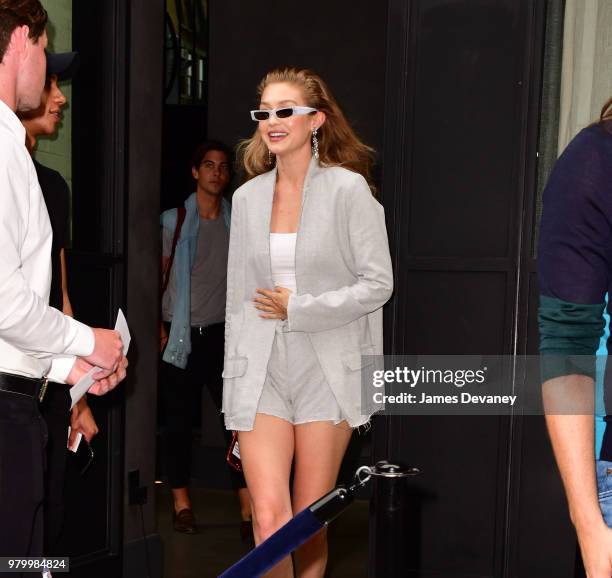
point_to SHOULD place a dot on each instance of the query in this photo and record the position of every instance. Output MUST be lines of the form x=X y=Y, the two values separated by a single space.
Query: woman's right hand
x=273 y=303
x=163 y=336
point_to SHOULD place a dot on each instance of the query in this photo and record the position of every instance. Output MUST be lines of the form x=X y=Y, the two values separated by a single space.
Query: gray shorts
x=295 y=388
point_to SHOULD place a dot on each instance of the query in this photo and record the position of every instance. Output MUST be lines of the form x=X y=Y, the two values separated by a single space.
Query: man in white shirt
x=36 y=341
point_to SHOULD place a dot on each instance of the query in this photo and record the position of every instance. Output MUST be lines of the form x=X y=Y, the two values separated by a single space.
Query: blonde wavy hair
x=338 y=143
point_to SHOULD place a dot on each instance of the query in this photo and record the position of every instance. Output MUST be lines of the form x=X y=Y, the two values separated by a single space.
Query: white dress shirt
x=35 y=339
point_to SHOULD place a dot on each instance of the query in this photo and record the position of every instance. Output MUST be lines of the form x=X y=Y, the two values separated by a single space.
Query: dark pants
x=55 y=410
x=180 y=391
x=23 y=436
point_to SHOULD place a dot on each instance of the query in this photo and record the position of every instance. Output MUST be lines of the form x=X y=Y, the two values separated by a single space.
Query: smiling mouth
x=277 y=136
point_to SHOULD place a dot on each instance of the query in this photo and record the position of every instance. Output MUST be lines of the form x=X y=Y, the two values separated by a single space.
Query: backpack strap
x=180 y=219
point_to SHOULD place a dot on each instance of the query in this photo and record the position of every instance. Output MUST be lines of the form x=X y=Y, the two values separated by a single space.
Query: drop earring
x=315 y=144
x=269 y=157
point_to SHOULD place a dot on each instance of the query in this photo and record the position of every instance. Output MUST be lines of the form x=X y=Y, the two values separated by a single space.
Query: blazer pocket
x=235 y=367
x=353 y=360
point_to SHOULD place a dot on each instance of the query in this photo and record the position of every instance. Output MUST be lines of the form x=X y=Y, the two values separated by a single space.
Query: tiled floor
x=217 y=545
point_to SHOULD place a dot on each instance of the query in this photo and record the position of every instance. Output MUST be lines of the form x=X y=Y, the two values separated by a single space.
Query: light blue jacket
x=179 y=341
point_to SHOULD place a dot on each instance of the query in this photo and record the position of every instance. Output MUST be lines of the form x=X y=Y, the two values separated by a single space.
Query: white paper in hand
x=122 y=327
x=78 y=390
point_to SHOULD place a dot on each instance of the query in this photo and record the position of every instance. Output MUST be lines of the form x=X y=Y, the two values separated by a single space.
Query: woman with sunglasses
x=309 y=271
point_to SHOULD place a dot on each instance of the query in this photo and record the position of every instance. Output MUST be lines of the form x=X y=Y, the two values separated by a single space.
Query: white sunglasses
x=285 y=112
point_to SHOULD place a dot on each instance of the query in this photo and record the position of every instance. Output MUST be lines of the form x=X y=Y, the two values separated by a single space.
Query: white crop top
x=282 y=259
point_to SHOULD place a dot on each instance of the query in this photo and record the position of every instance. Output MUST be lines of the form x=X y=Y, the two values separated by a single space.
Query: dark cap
x=62 y=64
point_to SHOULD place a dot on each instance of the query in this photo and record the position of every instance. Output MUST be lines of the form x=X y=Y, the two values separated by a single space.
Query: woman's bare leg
x=319 y=449
x=266 y=453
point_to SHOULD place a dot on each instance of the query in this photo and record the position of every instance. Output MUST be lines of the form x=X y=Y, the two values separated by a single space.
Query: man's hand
x=596 y=548
x=108 y=349
x=82 y=421
x=273 y=303
x=106 y=381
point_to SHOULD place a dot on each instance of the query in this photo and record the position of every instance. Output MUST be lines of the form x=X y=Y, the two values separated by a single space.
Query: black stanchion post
x=389 y=520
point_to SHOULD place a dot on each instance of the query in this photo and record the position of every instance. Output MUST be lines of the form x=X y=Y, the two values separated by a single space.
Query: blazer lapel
x=260 y=214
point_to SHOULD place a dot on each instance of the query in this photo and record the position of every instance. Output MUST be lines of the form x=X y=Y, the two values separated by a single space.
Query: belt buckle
x=43 y=389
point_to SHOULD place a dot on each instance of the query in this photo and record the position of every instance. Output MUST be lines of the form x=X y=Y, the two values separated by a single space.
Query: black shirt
x=57 y=198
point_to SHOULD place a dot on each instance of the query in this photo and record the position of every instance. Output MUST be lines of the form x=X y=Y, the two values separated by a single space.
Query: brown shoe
x=185 y=522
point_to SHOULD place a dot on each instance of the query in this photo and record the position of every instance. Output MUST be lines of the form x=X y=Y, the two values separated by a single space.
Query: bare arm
x=66 y=306
x=82 y=421
x=573 y=443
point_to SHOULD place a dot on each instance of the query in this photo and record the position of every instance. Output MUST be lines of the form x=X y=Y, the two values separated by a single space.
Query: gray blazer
x=343 y=275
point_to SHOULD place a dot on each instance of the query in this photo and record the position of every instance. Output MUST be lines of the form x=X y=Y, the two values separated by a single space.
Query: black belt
x=202 y=329
x=29 y=386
